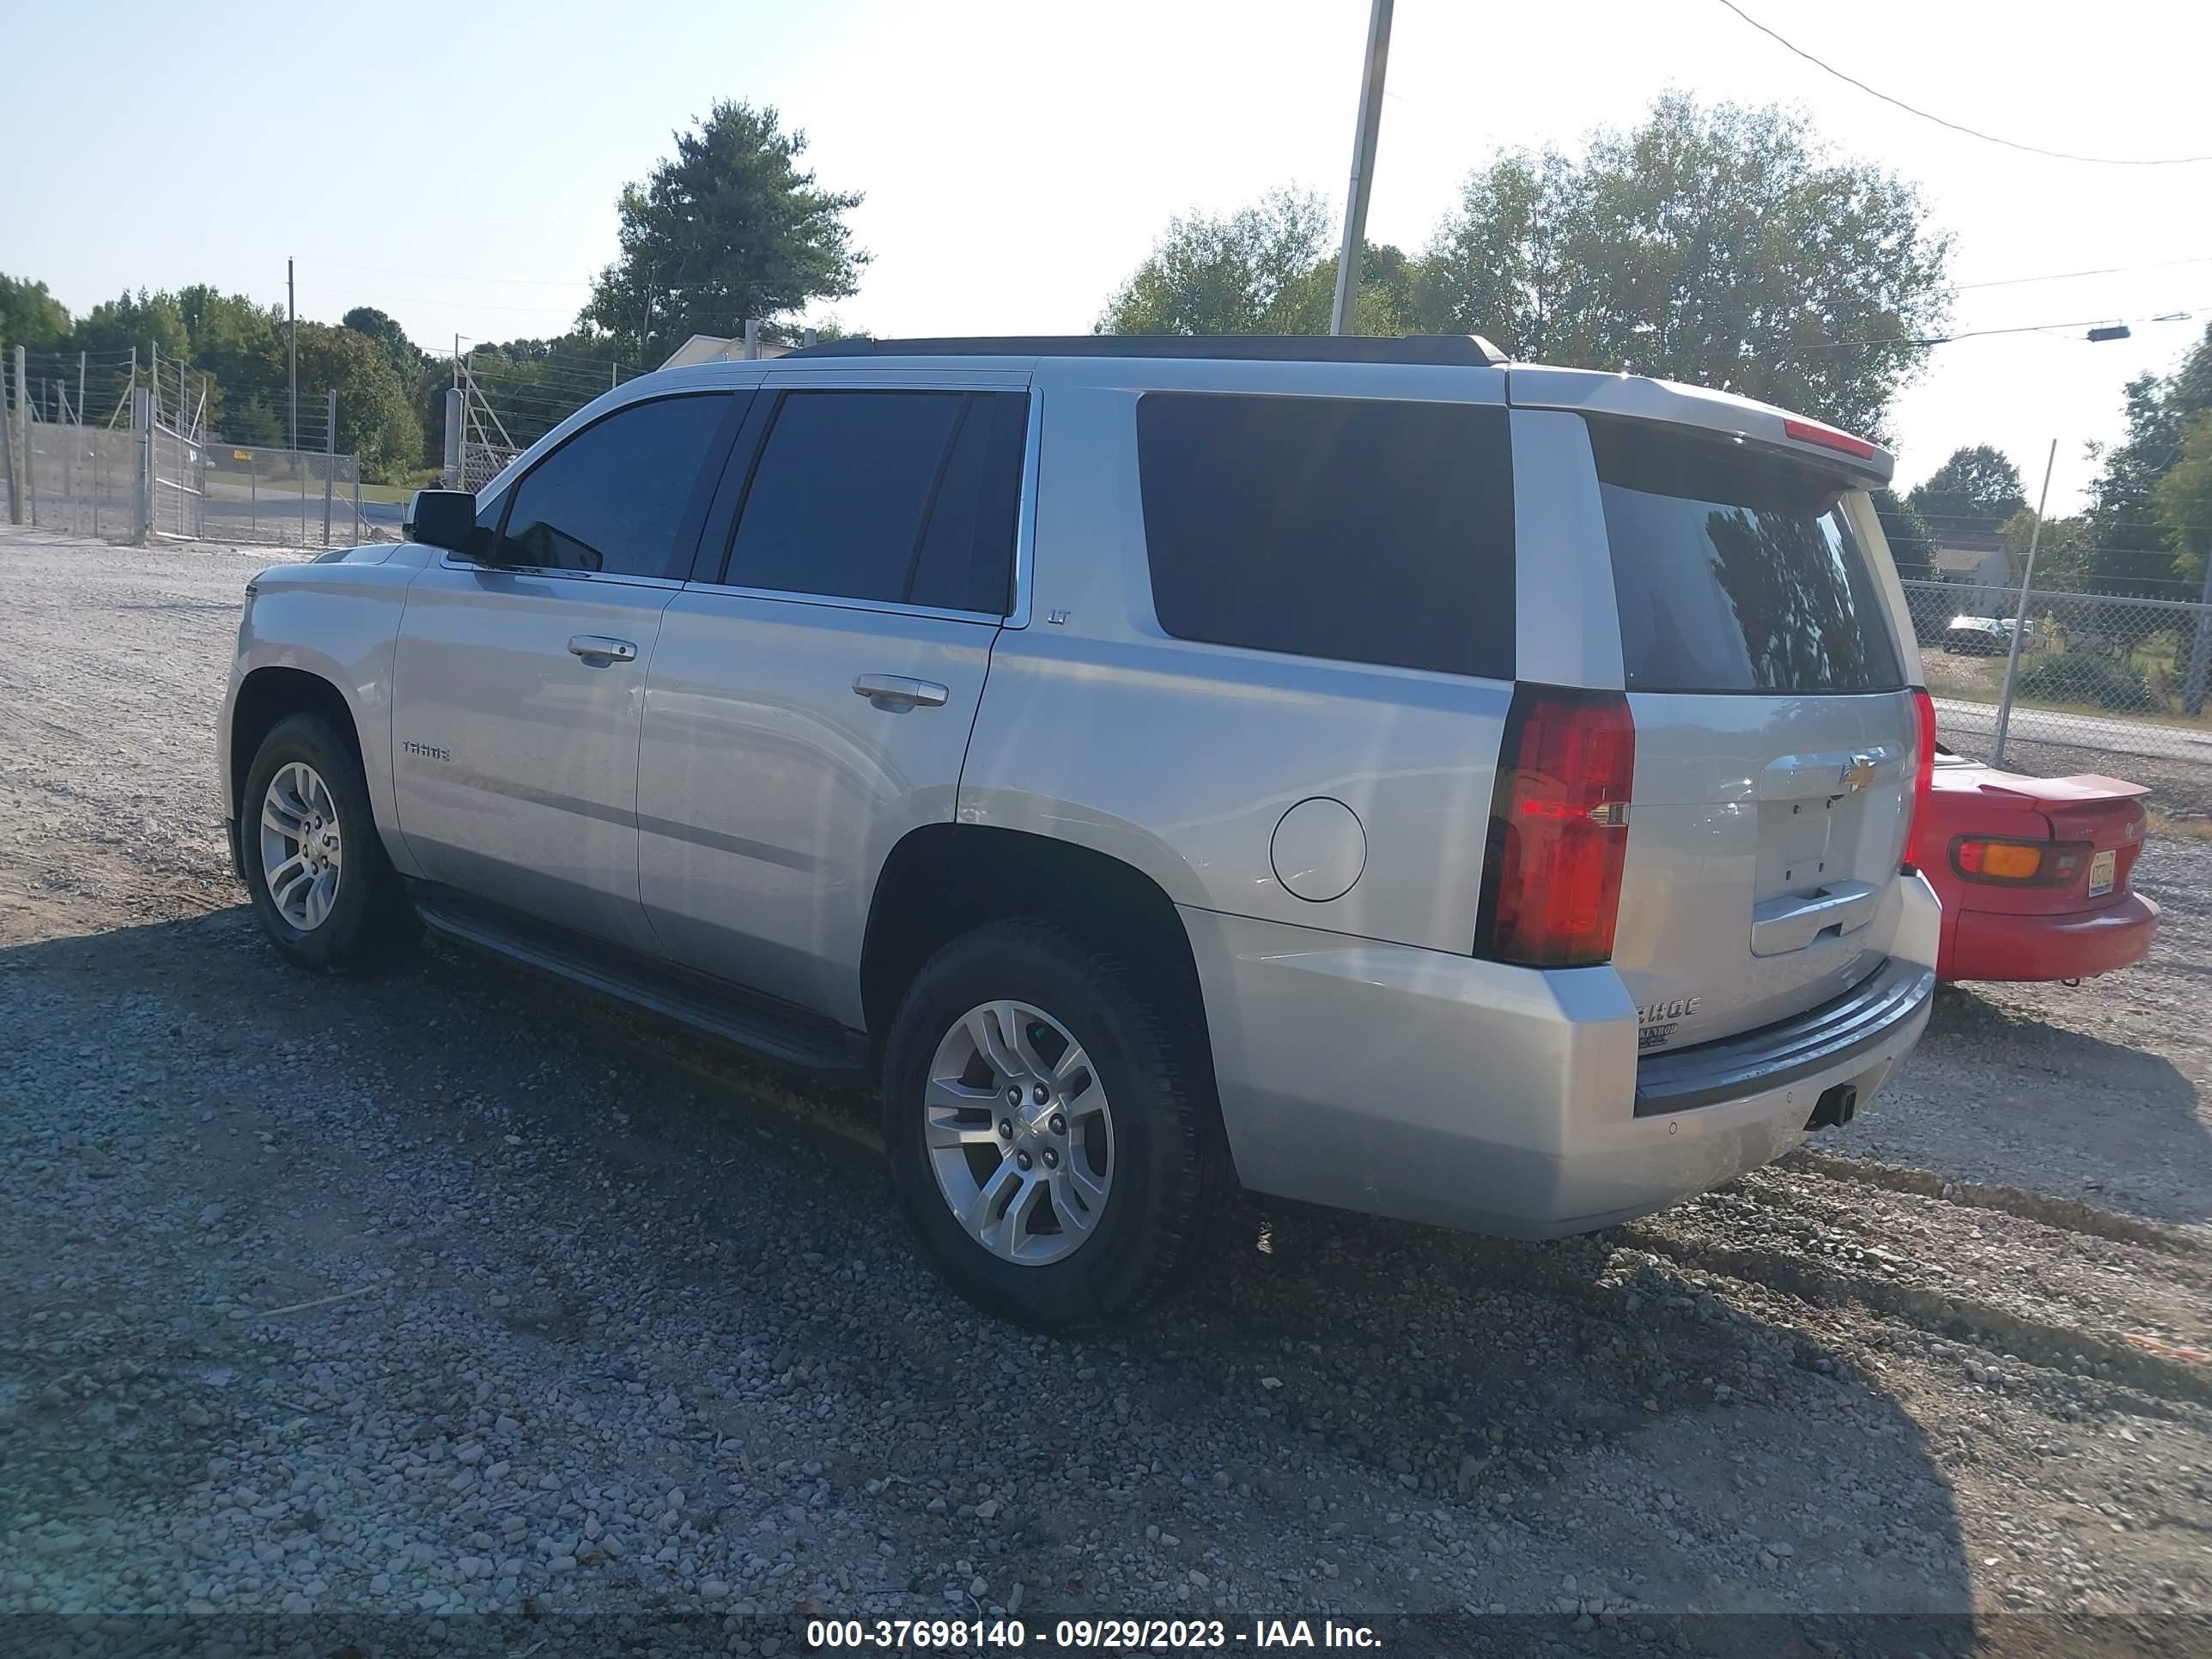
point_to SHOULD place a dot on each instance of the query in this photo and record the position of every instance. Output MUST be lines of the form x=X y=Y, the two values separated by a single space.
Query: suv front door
x=519 y=679
x=811 y=697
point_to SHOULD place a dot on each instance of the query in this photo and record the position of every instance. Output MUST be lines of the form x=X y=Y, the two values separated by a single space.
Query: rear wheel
x=1053 y=1135
x=325 y=891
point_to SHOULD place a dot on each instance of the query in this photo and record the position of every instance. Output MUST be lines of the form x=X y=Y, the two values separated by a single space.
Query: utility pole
x=330 y=457
x=1362 y=168
x=2200 y=654
x=2020 y=616
x=292 y=350
x=23 y=417
x=8 y=430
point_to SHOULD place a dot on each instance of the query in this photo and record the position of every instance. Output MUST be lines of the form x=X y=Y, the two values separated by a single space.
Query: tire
x=1167 y=1164
x=364 y=917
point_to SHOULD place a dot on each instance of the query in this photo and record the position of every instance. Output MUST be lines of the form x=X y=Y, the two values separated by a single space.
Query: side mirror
x=444 y=518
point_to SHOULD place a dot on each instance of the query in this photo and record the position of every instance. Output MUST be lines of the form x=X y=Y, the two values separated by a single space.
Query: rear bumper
x=2002 y=945
x=1442 y=1088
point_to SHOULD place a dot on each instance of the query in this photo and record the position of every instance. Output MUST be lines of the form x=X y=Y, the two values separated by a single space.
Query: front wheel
x=326 y=893
x=1052 y=1131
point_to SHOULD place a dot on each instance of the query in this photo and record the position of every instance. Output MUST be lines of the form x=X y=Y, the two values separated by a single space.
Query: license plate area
x=2100 y=873
x=1795 y=838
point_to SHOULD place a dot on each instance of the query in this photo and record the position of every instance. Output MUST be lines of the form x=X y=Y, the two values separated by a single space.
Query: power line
x=458 y=276
x=2183 y=315
x=2102 y=271
x=1971 y=133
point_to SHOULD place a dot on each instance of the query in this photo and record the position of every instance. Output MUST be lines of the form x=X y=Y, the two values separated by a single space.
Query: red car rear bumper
x=1998 y=945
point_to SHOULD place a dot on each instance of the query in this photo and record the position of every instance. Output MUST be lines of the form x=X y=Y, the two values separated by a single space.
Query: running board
x=774 y=1030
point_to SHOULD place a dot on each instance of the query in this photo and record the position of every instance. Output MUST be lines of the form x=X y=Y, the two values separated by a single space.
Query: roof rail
x=1450 y=349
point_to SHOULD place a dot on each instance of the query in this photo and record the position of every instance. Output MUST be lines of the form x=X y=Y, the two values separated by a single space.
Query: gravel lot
x=452 y=1308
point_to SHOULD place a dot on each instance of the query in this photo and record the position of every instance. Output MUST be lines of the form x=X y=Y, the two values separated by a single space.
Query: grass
x=275 y=485
x=1980 y=679
x=2192 y=829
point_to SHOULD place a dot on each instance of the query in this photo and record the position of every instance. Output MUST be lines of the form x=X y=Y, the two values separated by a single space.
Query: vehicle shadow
x=1997 y=1095
x=1342 y=1411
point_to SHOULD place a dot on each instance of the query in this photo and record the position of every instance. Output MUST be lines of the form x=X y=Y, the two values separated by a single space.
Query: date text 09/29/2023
x=1082 y=1635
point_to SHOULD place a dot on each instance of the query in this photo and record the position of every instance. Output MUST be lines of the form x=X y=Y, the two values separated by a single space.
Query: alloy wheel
x=303 y=857
x=1018 y=1132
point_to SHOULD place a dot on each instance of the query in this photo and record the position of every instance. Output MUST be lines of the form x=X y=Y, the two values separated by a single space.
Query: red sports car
x=2033 y=873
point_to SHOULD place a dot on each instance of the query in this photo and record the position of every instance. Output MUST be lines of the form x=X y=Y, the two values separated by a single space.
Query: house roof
x=1962 y=560
x=713 y=348
x=1978 y=541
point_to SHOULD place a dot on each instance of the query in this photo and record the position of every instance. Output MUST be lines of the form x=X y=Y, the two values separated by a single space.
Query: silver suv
x=1364 y=770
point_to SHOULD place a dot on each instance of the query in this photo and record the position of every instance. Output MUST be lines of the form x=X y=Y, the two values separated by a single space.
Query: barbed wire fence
x=2114 y=675
x=110 y=446
x=499 y=405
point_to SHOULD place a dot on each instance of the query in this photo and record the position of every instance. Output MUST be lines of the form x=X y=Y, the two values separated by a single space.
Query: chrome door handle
x=588 y=645
x=897 y=691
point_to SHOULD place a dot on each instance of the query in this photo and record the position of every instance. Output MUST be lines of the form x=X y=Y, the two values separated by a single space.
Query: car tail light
x=1558 y=829
x=1924 y=778
x=1811 y=432
x=2000 y=860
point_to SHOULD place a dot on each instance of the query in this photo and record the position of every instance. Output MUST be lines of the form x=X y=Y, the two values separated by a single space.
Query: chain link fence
x=122 y=451
x=291 y=497
x=2113 y=676
x=73 y=460
x=81 y=479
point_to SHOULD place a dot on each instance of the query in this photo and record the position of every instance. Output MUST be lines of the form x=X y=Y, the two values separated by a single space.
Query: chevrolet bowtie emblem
x=1859 y=774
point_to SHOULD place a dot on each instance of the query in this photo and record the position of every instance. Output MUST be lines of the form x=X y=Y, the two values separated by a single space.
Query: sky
x=457 y=166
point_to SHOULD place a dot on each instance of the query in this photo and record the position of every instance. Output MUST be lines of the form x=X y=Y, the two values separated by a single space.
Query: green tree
x=425 y=377
x=1500 y=266
x=376 y=421
x=2060 y=551
x=1225 y=274
x=1907 y=531
x=29 y=316
x=2132 y=537
x=1977 y=488
x=1383 y=305
x=730 y=228
x=150 y=322
x=2183 y=496
x=405 y=357
x=1718 y=245
x=239 y=344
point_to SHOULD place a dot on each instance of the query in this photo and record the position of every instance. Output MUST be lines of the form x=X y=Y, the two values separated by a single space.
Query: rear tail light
x=2000 y=861
x=1558 y=829
x=1924 y=778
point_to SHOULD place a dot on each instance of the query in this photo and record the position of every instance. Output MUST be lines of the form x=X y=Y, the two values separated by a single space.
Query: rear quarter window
x=1736 y=570
x=1356 y=529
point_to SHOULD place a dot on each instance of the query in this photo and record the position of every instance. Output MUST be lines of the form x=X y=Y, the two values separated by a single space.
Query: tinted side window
x=1735 y=570
x=966 y=559
x=612 y=498
x=901 y=496
x=1354 y=528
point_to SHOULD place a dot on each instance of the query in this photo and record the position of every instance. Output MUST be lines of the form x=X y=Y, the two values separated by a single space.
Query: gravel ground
x=449 y=1308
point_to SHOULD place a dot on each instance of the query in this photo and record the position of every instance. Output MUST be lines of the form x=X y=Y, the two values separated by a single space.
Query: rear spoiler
x=2055 y=794
x=1637 y=396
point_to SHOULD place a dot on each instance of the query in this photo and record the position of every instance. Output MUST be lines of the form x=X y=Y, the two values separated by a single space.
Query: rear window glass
x=1356 y=529
x=1735 y=571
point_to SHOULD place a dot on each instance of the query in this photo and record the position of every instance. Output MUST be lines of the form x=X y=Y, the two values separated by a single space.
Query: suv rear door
x=814 y=689
x=1775 y=728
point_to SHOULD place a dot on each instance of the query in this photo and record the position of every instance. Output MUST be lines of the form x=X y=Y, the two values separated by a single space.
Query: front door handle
x=897 y=691
x=589 y=645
